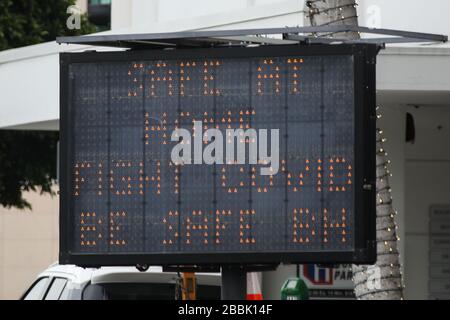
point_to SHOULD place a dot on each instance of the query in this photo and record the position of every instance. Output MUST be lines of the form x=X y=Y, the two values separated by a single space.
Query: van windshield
x=143 y=291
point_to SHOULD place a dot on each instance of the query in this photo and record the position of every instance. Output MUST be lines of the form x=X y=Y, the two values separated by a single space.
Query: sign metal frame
x=364 y=159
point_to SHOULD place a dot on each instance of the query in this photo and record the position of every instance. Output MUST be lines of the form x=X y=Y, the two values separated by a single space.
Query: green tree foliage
x=27 y=22
x=27 y=162
x=27 y=158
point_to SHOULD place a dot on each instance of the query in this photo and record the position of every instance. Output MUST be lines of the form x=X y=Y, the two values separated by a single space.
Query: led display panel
x=301 y=189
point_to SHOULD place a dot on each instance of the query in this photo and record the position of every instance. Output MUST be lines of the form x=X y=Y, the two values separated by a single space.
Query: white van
x=69 y=282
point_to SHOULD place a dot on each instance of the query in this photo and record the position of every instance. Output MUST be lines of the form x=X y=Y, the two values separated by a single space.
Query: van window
x=56 y=289
x=37 y=290
x=65 y=294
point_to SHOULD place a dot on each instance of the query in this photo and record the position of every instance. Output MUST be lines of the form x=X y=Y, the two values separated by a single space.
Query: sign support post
x=234 y=283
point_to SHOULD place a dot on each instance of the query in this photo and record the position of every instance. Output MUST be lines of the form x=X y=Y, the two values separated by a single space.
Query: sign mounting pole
x=234 y=282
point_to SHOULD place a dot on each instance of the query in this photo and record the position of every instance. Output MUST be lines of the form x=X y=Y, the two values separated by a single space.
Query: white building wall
x=29 y=90
x=418 y=15
x=427 y=176
x=28 y=243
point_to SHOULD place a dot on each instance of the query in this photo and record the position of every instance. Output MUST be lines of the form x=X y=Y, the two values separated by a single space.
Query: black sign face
x=125 y=200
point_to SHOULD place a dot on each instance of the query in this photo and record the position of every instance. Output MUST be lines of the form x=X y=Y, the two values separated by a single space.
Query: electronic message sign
x=221 y=155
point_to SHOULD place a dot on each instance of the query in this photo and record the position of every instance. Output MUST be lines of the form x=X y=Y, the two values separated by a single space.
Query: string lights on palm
x=384 y=279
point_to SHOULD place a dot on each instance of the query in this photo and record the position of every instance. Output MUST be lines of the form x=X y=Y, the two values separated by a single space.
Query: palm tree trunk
x=383 y=280
x=331 y=12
